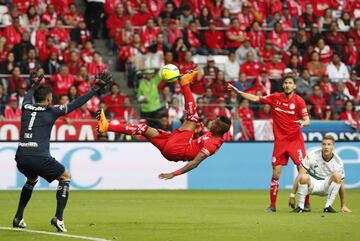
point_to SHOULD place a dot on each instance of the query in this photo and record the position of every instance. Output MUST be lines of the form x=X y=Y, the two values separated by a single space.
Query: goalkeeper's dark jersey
x=37 y=121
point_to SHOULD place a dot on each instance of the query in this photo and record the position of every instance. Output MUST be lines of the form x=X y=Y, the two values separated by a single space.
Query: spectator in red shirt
x=351 y=54
x=97 y=65
x=315 y=66
x=235 y=36
x=275 y=70
x=221 y=109
x=353 y=85
x=324 y=51
x=246 y=17
x=38 y=36
x=114 y=101
x=262 y=83
x=219 y=85
x=355 y=33
x=215 y=7
x=246 y=116
x=116 y=21
x=267 y=52
x=173 y=32
x=256 y=36
x=251 y=67
x=148 y=33
x=12 y=110
x=127 y=112
x=62 y=81
x=74 y=63
x=349 y=116
x=318 y=101
x=279 y=38
x=83 y=81
x=194 y=40
x=335 y=39
x=214 y=39
x=72 y=17
x=327 y=88
x=60 y=35
x=320 y=6
x=49 y=16
x=141 y=18
x=210 y=70
x=264 y=113
x=13 y=32
x=15 y=80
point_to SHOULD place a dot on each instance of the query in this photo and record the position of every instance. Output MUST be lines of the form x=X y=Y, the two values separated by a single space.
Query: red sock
x=307 y=200
x=274 y=189
x=190 y=104
x=128 y=129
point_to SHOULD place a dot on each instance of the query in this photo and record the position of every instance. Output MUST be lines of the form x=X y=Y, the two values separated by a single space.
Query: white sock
x=333 y=191
x=302 y=192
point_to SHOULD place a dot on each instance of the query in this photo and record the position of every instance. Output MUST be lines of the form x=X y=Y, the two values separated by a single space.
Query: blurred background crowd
x=251 y=44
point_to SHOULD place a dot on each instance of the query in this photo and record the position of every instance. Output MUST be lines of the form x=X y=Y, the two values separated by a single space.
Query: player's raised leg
x=124 y=128
x=191 y=114
x=25 y=196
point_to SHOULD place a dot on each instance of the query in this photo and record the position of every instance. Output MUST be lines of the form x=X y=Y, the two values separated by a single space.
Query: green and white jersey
x=320 y=169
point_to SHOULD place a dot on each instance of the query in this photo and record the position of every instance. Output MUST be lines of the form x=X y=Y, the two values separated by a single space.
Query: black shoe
x=307 y=208
x=329 y=210
x=19 y=223
x=298 y=210
x=270 y=210
x=58 y=224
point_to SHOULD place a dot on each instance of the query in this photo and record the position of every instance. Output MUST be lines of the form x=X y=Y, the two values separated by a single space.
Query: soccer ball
x=170 y=73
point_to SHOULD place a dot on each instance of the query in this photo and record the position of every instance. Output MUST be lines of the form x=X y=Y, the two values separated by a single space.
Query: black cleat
x=270 y=210
x=307 y=208
x=19 y=223
x=329 y=210
x=58 y=224
x=298 y=210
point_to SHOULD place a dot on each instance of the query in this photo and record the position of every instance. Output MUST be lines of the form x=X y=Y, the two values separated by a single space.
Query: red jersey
x=354 y=88
x=247 y=118
x=354 y=34
x=275 y=70
x=139 y=19
x=280 y=40
x=257 y=39
x=251 y=69
x=114 y=104
x=284 y=114
x=214 y=39
x=206 y=144
x=237 y=32
x=93 y=68
x=11 y=114
x=148 y=36
x=62 y=84
x=59 y=35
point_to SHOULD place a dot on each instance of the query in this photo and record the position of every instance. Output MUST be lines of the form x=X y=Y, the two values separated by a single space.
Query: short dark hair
x=42 y=92
x=329 y=137
x=289 y=77
x=225 y=124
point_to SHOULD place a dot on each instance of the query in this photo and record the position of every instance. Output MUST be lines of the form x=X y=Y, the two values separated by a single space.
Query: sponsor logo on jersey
x=34 y=108
x=29 y=144
x=292 y=106
x=291 y=112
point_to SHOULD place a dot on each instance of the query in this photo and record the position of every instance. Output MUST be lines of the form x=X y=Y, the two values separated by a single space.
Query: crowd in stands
x=251 y=44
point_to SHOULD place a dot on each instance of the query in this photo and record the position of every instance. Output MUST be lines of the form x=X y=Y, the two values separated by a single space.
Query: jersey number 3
x=33 y=115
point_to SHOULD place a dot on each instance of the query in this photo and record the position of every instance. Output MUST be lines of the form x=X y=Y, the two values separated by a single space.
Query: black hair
x=225 y=119
x=290 y=77
x=41 y=92
x=224 y=125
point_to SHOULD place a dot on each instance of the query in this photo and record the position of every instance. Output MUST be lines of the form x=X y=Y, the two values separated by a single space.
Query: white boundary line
x=55 y=234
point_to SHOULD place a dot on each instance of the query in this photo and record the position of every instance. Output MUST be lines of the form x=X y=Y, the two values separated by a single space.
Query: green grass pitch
x=181 y=216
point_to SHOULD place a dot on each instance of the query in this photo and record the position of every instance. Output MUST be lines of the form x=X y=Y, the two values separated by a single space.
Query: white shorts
x=319 y=187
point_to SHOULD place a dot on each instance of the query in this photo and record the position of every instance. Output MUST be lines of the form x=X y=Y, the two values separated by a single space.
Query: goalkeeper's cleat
x=270 y=210
x=298 y=210
x=307 y=208
x=59 y=225
x=188 y=77
x=103 y=123
x=19 y=223
x=329 y=210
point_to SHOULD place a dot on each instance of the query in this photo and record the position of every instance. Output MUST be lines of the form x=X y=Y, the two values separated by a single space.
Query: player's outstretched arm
x=104 y=79
x=292 y=201
x=344 y=208
x=35 y=82
x=247 y=96
x=188 y=167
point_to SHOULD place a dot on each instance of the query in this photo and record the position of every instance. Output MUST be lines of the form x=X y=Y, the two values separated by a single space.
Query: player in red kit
x=289 y=114
x=179 y=145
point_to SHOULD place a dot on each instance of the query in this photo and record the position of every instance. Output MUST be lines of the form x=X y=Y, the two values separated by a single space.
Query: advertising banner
x=104 y=165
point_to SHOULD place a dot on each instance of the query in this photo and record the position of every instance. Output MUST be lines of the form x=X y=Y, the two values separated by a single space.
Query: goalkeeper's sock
x=302 y=192
x=25 y=197
x=190 y=104
x=128 y=129
x=274 y=189
x=62 y=196
x=333 y=191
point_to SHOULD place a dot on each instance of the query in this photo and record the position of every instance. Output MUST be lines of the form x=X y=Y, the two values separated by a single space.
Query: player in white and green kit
x=321 y=173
